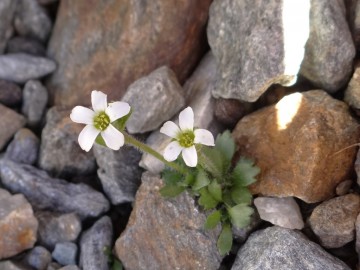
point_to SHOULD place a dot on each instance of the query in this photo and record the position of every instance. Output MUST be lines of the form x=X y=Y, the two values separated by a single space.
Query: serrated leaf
x=240 y=215
x=170 y=191
x=241 y=195
x=100 y=140
x=244 y=172
x=225 y=144
x=120 y=123
x=201 y=180
x=215 y=190
x=189 y=179
x=212 y=161
x=206 y=200
x=171 y=177
x=212 y=220
x=225 y=240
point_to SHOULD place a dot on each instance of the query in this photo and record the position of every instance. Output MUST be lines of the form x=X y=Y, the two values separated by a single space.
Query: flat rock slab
x=18 y=226
x=297 y=144
x=10 y=123
x=21 y=67
x=177 y=239
x=45 y=192
x=132 y=40
x=283 y=249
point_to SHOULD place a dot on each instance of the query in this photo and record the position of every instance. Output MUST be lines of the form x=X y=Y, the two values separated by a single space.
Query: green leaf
x=100 y=140
x=117 y=265
x=171 y=177
x=240 y=215
x=244 y=173
x=189 y=179
x=206 y=200
x=241 y=195
x=215 y=190
x=225 y=240
x=225 y=144
x=170 y=191
x=213 y=161
x=212 y=220
x=120 y=123
x=201 y=180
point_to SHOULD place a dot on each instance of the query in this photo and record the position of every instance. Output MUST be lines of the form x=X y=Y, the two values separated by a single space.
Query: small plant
x=205 y=169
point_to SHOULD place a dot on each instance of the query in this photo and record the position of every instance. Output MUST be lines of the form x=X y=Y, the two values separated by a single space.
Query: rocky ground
x=283 y=76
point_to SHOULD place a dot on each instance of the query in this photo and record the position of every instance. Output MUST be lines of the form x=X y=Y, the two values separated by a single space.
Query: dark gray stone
x=70 y=267
x=154 y=99
x=92 y=245
x=10 y=265
x=47 y=2
x=44 y=192
x=25 y=45
x=24 y=148
x=65 y=253
x=39 y=258
x=119 y=172
x=60 y=152
x=10 y=93
x=56 y=228
x=32 y=20
x=7 y=11
x=53 y=266
x=329 y=51
x=35 y=98
x=283 y=249
x=21 y=67
x=10 y=123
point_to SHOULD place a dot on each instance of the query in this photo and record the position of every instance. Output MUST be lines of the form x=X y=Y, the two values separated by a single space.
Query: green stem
x=147 y=149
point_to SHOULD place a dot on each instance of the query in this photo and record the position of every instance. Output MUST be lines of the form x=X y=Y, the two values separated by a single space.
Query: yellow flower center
x=101 y=121
x=186 y=138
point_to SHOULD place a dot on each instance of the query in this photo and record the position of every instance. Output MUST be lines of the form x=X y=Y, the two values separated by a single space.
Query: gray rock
x=333 y=221
x=357 y=242
x=60 y=152
x=283 y=212
x=10 y=93
x=32 y=20
x=352 y=92
x=53 y=266
x=47 y=2
x=197 y=91
x=241 y=35
x=35 y=98
x=56 y=228
x=25 y=45
x=53 y=194
x=356 y=22
x=39 y=258
x=10 y=265
x=154 y=99
x=70 y=267
x=65 y=253
x=119 y=172
x=10 y=123
x=21 y=67
x=177 y=239
x=24 y=148
x=329 y=51
x=241 y=234
x=343 y=188
x=92 y=245
x=18 y=226
x=7 y=11
x=283 y=249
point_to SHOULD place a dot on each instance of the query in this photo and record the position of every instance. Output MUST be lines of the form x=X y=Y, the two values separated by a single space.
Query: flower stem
x=147 y=149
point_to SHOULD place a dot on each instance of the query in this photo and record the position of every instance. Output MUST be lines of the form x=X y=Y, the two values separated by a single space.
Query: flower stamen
x=186 y=139
x=101 y=121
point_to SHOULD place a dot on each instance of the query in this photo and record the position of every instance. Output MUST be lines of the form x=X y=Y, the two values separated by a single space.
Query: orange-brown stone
x=299 y=145
x=106 y=45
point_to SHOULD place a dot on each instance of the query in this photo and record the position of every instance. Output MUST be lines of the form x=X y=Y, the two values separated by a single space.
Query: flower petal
x=190 y=156
x=172 y=151
x=186 y=119
x=87 y=137
x=82 y=115
x=98 y=101
x=116 y=110
x=204 y=136
x=170 y=128
x=113 y=138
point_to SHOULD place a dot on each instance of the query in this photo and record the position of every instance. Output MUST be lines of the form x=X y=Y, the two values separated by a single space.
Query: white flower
x=185 y=138
x=98 y=121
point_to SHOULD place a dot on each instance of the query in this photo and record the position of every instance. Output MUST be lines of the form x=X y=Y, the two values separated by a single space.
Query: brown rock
x=107 y=45
x=230 y=111
x=10 y=122
x=166 y=233
x=299 y=145
x=10 y=93
x=333 y=221
x=18 y=226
